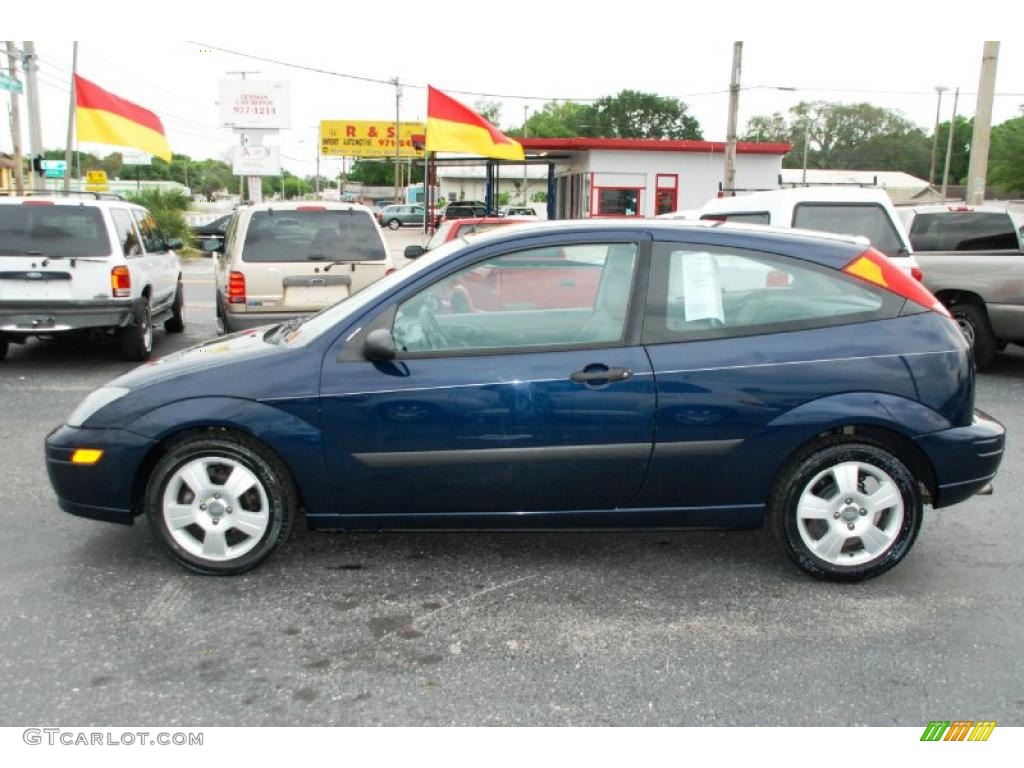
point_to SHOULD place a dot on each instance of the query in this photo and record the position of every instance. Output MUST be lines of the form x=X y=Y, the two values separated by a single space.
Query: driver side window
x=574 y=295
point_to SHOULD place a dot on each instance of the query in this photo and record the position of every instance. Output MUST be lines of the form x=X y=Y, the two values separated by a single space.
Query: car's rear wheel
x=394 y=224
x=974 y=324
x=220 y=503
x=136 y=340
x=845 y=510
x=176 y=322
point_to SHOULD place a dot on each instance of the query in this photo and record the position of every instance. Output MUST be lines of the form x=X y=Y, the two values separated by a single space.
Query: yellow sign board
x=96 y=181
x=368 y=138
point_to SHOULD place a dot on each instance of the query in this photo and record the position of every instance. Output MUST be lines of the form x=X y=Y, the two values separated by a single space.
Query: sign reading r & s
x=368 y=138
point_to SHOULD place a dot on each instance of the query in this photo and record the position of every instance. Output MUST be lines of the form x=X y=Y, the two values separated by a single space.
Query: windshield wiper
x=278 y=331
x=47 y=259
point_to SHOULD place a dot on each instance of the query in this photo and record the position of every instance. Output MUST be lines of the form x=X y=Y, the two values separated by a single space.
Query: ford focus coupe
x=714 y=376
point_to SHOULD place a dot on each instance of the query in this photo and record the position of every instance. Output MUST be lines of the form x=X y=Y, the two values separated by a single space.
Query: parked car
x=832 y=406
x=215 y=228
x=462 y=209
x=973 y=262
x=395 y=216
x=839 y=210
x=454 y=229
x=518 y=210
x=283 y=260
x=86 y=265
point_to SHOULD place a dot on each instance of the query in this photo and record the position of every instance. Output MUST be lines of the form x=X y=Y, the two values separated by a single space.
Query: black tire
x=272 y=473
x=223 y=326
x=394 y=224
x=136 y=340
x=3 y=346
x=176 y=322
x=796 y=477
x=973 y=321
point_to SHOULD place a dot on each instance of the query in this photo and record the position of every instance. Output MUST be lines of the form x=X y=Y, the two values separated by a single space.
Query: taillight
x=917 y=274
x=874 y=267
x=236 y=288
x=37 y=202
x=120 y=282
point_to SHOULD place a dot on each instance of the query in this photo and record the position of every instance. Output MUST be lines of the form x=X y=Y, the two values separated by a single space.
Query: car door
x=738 y=339
x=158 y=263
x=496 y=409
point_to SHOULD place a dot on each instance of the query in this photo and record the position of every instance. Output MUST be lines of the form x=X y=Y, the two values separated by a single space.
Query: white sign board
x=130 y=157
x=255 y=104
x=256 y=161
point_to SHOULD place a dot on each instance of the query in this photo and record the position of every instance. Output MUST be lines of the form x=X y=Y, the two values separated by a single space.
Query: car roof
x=789 y=197
x=69 y=201
x=953 y=208
x=309 y=205
x=664 y=225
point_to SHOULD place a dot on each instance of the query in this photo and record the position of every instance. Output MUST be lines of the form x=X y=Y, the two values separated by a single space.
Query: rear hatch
x=306 y=259
x=53 y=253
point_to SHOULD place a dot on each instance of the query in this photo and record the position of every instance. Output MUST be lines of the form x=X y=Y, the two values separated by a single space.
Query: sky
x=521 y=54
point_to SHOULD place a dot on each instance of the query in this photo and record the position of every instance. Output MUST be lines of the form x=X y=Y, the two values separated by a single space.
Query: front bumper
x=965 y=459
x=101 y=491
x=32 y=317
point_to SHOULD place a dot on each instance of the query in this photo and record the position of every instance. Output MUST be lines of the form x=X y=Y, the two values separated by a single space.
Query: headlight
x=95 y=400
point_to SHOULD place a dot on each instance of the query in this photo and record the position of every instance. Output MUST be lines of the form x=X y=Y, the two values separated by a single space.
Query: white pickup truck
x=74 y=265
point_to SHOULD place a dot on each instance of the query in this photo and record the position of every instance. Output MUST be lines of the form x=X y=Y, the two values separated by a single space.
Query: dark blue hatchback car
x=576 y=375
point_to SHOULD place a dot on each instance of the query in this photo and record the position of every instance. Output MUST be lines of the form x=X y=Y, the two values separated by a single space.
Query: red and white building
x=646 y=177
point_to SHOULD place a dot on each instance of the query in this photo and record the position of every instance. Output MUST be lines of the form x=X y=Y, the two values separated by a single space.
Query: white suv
x=71 y=264
x=839 y=210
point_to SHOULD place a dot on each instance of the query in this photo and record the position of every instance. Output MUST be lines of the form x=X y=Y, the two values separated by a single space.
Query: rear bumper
x=965 y=459
x=101 y=491
x=31 y=317
x=244 y=321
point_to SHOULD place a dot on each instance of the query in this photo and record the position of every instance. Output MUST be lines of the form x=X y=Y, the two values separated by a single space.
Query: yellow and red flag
x=104 y=118
x=454 y=127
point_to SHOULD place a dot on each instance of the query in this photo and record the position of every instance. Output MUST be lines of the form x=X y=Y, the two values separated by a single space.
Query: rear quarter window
x=863 y=219
x=963 y=231
x=759 y=217
x=338 y=235
x=53 y=230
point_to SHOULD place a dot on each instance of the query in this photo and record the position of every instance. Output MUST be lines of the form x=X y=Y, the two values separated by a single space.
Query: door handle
x=600 y=374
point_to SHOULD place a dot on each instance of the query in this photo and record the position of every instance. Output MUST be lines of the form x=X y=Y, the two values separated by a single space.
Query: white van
x=856 y=211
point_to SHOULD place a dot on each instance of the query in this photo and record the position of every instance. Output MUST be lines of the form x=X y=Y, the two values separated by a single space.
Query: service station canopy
x=368 y=138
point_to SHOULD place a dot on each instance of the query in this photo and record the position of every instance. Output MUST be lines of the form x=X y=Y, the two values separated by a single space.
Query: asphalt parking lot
x=650 y=628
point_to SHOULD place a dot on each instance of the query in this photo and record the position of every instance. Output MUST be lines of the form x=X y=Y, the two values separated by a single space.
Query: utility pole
x=734 y=105
x=949 y=143
x=35 y=131
x=978 y=168
x=19 y=163
x=935 y=134
x=71 y=121
x=807 y=138
x=398 y=128
x=526 y=133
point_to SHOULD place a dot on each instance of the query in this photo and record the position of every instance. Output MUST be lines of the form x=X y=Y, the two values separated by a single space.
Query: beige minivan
x=286 y=259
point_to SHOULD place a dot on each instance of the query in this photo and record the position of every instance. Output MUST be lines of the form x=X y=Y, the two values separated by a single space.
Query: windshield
x=315 y=325
x=867 y=220
x=331 y=235
x=52 y=230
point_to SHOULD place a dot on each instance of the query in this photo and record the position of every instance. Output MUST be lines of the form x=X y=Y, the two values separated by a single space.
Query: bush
x=168 y=208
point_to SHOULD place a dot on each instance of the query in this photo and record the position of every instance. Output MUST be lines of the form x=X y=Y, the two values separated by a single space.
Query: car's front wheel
x=220 y=503
x=845 y=510
x=176 y=322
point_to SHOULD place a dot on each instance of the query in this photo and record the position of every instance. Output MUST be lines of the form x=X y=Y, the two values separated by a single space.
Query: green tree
x=555 y=120
x=1006 y=156
x=168 y=208
x=488 y=110
x=773 y=129
x=960 y=157
x=639 y=115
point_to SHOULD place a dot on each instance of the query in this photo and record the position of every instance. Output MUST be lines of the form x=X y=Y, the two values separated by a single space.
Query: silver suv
x=84 y=264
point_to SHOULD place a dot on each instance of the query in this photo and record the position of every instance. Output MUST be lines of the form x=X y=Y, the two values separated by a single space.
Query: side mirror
x=414 y=251
x=212 y=245
x=379 y=346
x=175 y=244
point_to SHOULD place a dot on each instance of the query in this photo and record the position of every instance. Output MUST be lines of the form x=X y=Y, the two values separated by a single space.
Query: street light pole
x=949 y=143
x=935 y=135
x=398 y=129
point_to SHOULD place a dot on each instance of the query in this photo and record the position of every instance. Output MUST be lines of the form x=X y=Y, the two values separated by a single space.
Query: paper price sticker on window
x=702 y=290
